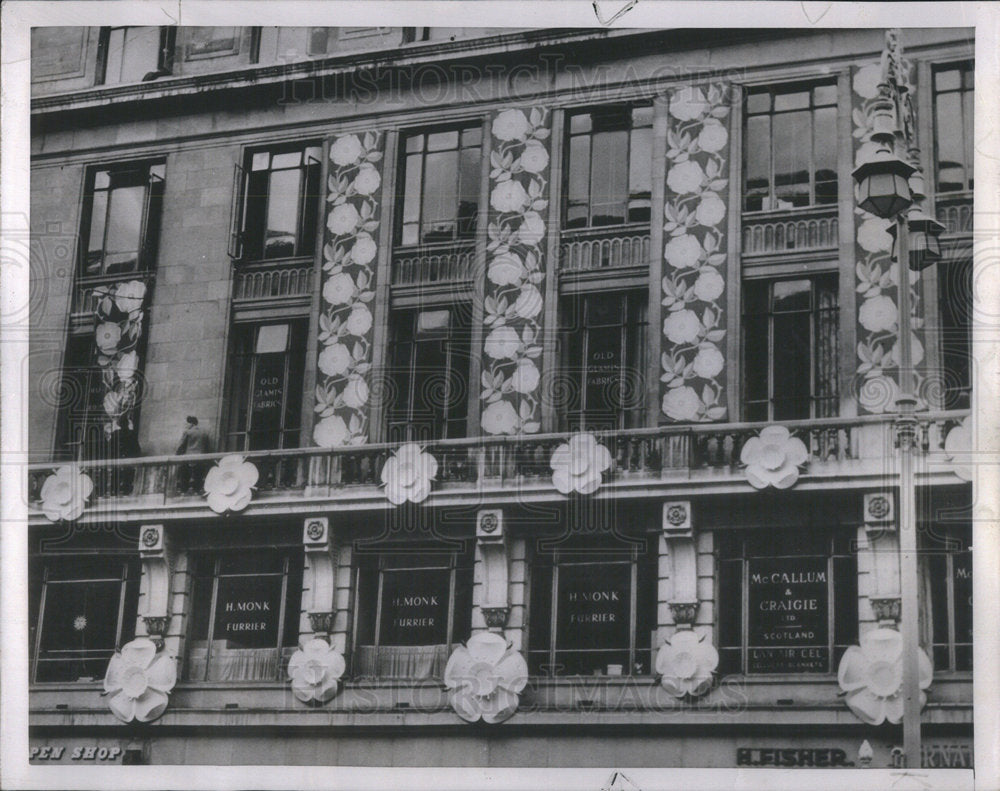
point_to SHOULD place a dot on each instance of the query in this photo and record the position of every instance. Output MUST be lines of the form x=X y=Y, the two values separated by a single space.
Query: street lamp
x=891 y=188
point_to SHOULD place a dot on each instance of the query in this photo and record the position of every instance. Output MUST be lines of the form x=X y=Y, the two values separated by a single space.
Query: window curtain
x=392 y=661
x=236 y=664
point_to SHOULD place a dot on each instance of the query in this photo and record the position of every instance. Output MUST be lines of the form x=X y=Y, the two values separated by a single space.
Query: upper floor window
x=953 y=113
x=790 y=147
x=592 y=608
x=245 y=615
x=413 y=606
x=86 y=609
x=266 y=370
x=955 y=309
x=325 y=40
x=440 y=181
x=121 y=218
x=603 y=342
x=280 y=204
x=790 y=348
x=787 y=600
x=430 y=357
x=608 y=166
x=210 y=42
x=134 y=54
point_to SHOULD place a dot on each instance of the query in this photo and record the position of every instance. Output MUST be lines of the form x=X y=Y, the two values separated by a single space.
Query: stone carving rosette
x=485 y=678
x=139 y=680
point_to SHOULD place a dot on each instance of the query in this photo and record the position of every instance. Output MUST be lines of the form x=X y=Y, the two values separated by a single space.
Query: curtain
x=395 y=661
x=236 y=664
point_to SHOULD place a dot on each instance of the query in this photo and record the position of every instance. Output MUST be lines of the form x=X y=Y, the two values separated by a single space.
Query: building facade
x=543 y=385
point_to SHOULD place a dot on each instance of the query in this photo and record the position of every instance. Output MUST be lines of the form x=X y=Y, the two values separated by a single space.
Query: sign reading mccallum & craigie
x=415 y=607
x=788 y=615
x=246 y=611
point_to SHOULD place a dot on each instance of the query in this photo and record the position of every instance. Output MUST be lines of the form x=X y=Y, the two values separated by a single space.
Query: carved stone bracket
x=887 y=610
x=684 y=613
x=321 y=573
x=879 y=513
x=157 y=562
x=491 y=540
x=678 y=532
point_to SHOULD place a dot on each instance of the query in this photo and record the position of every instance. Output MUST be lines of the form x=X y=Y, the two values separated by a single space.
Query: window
x=210 y=42
x=607 y=334
x=135 y=54
x=790 y=348
x=430 y=358
x=592 y=608
x=946 y=560
x=81 y=410
x=266 y=373
x=281 y=197
x=412 y=605
x=244 y=615
x=955 y=305
x=953 y=112
x=121 y=218
x=787 y=599
x=441 y=177
x=324 y=40
x=608 y=166
x=86 y=609
x=790 y=150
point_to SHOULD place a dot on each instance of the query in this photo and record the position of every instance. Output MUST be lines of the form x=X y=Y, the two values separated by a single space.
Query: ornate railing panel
x=603 y=248
x=257 y=282
x=790 y=231
x=954 y=211
x=447 y=263
x=84 y=302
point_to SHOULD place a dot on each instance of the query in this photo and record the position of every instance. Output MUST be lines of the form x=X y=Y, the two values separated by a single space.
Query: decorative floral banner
x=348 y=288
x=694 y=254
x=119 y=317
x=877 y=380
x=515 y=274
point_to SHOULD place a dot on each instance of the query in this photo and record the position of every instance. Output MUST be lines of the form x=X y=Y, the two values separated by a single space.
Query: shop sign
x=936 y=755
x=788 y=615
x=792 y=757
x=593 y=604
x=415 y=607
x=268 y=395
x=603 y=370
x=247 y=610
x=86 y=753
x=962 y=566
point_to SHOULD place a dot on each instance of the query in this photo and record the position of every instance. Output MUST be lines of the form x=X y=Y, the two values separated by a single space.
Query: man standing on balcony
x=195 y=439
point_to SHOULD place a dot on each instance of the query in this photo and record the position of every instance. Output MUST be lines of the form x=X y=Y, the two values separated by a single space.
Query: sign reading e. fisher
x=788 y=615
x=246 y=611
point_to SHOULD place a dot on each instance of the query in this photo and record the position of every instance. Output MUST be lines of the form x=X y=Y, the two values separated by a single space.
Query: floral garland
x=694 y=286
x=119 y=317
x=878 y=280
x=515 y=273
x=345 y=320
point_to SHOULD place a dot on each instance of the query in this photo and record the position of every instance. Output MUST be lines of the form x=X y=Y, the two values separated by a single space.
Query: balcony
x=444 y=264
x=954 y=211
x=84 y=301
x=282 y=281
x=603 y=249
x=646 y=463
x=796 y=231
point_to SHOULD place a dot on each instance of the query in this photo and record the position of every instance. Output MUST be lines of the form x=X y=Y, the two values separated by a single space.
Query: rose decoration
x=872 y=676
x=331 y=432
x=683 y=252
x=485 y=678
x=107 y=336
x=688 y=103
x=577 y=465
x=64 y=494
x=500 y=417
x=509 y=196
x=686 y=177
x=773 y=458
x=139 y=681
x=685 y=664
x=502 y=343
x=534 y=158
x=682 y=326
x=532 y=229
x=129 y=296
x=315 y=670
x=343 y=219
x=367 y=180
x=878 y=314
x=682 y=404
x=957 y=447
x=346 y=150
x=408 y=473
x=229 y=485
x=510 y=125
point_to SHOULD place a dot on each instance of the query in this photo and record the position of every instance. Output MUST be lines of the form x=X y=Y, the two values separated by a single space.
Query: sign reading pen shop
x=788 y=615
x=246 y=612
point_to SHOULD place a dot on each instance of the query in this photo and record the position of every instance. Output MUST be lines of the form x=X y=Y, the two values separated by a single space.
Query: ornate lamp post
x=891 y=188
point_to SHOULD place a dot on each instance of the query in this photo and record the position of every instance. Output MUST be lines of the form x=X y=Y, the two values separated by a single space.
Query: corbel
x=157 y=563
x=678 y=532
x=491 y=539
x=883 y=549
x=320 y=574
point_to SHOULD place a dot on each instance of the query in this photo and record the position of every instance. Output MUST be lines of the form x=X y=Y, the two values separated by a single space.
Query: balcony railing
x=439 y=263
x=273 y=281
x=669 y=453
x=795 y=230
x=954 y=211
x=84 y=301
x=603 y=248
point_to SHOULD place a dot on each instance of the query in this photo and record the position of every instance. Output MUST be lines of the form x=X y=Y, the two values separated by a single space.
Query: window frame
x=834 y=585
x=128 y=601
x=768 y=277
x=458 y=236
x=964 y=68
x=164 y=58
x=154 y=185
x=773 y=90
x=215 y=557
x=571 y=113
x=952 y=540
x=306 y=227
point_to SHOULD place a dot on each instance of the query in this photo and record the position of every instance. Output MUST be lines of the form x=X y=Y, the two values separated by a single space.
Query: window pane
x=141 y=53
x=756 y=358
x=414 y=144
x=472 y=136
x=578 y=192
x=468 y=205
x=640 y=175
x=282 y=213
x=290 y=159
x=441 y=141
x=642 y=116
x=593 y=611
x=791 y=101
x=411 y=199
x=758 y=102
x=415 y=607
x=792 y=147
x=825 y=156
x=824 y=94
x=792 y=366
x=792 y=295
x=950 y=143
x=440 y=201
x=579 y=123
x=609 y=179
x=113 y=59
x=95 y=240
x=124 y=228
x=947 y=80
x=758 y=163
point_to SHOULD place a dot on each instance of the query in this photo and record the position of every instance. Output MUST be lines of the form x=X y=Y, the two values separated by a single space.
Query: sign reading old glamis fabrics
x=788 y=615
